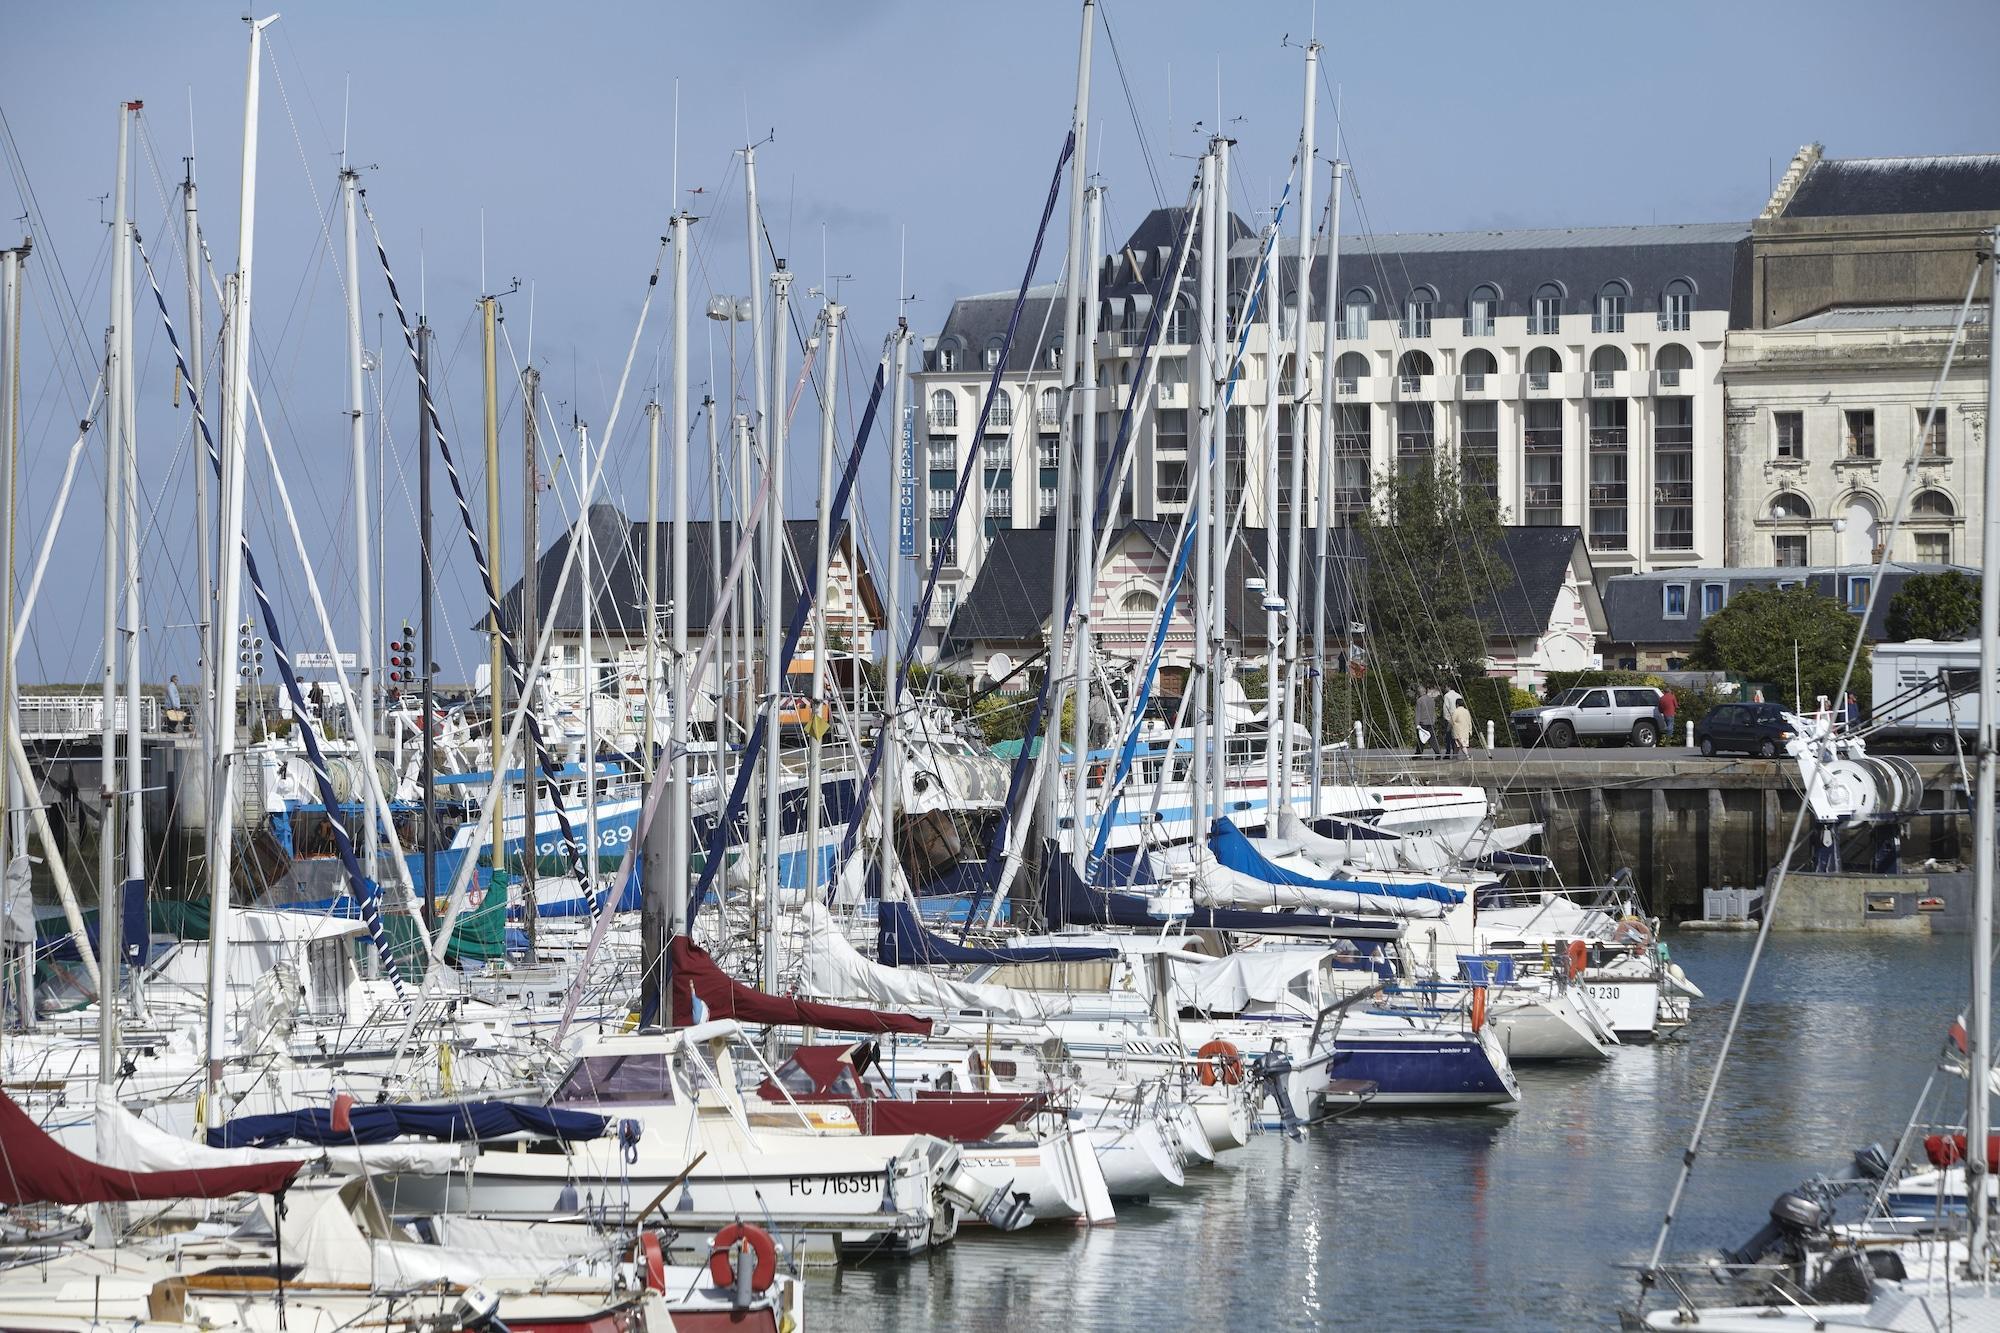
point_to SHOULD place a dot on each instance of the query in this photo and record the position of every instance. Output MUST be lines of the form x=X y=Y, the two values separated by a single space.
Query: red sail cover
x=34 y=1168
x=695 y=974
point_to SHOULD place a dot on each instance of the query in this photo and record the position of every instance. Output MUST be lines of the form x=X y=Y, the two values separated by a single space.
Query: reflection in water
x=1521 y=1218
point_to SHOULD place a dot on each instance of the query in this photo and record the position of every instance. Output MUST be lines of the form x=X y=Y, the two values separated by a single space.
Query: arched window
x=1412 y=369
x=1605 y=363
x=944 y=409
x=1139 y=604
x=1049 y=415
x=1787 y=506
x=1002 y=416
x=1180 y=323
x=1355 y=308
x=1417 y=308
x=1609 y=317
x=1673 y=356
x=1479 y=361
x=1932 y=504
x=1349 y=370
x=947 y=355
x=993 y=346
x=1545 y=361
x=1545 y=317
x=1480 y=308
x=1677 y=305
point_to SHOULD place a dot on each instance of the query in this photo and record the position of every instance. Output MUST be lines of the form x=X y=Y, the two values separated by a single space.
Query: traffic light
x=402 y=657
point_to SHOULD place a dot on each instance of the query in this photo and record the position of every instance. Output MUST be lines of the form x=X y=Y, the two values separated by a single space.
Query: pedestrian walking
x=1427 y=720
x=1461 y=730
x=1669 y=709
x=176 y=716
x=1447 y=712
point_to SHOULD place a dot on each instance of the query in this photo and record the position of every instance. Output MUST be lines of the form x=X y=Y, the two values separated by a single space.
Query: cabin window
x=600 y=1079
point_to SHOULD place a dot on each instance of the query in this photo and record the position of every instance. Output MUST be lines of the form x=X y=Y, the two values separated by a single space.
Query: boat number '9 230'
x=829 y=1186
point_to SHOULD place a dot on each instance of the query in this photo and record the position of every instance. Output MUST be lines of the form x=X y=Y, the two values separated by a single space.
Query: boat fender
x=652 y=1260
x=1579 y=958
x=343 y=1108
x=729 y=1243
x=1478 y=1007
x=1220 y=1060
x=628 y=1140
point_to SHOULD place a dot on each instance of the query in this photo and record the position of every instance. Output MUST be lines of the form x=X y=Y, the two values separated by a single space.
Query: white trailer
x=1925 y=690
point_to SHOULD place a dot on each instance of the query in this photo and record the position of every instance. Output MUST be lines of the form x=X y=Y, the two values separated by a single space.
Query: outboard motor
x=1794 y=1217
x=1872 y=1162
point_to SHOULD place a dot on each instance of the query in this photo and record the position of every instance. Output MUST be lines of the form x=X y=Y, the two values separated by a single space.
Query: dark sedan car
x=1759 y=729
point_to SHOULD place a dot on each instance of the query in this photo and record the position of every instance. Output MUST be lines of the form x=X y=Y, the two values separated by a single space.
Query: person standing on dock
x=1447 y=722
x=1461 y=730
x=1668 y=708
x=1427 y=721
x=174 y=715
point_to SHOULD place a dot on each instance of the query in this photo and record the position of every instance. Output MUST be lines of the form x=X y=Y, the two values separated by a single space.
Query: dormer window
x=1417 y=313
x=993 y=349
x=1674 y=601
x=947 y=357
x=1610 y=314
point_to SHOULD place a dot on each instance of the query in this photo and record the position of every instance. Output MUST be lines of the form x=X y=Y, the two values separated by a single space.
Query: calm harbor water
x=1478 y=1220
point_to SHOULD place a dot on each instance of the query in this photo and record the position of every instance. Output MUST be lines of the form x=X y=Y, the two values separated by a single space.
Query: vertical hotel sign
x=906 y=487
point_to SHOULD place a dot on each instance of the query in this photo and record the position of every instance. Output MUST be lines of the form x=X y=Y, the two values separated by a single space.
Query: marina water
x=1525 y=1218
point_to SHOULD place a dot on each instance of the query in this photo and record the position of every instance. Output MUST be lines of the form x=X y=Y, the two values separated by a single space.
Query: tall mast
x=362 y=705
x=887 y=788
x=1075 y=330
x=1201 y=504
x=1218 y=484
x=109 y=913
x=13 y=836
x=650 y=616
x=716 y=615
x=128 y=466
x=203 y=689
x=757 y=432
x=531 y=546
x=777 y=432
x=1086 y=541
x=1274 y=766
x=222 y=814
x=424 y=600
x=822 y=586
x=1300 y=387
x=1979 y=1035
x=587 y=581
x=1329 y=410
x=681 y=689
x=496 y=666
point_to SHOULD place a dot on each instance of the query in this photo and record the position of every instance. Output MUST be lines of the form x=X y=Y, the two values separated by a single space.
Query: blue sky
x=911 y=138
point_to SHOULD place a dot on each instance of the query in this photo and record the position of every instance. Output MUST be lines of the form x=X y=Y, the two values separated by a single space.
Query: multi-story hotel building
x=1575 y=372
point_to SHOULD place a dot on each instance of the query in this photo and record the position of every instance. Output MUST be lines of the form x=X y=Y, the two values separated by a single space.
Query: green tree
x=1934 y=606
x=1756 y=635
x=1433 y=547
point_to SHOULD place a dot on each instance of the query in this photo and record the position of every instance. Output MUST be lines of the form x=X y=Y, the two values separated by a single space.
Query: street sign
x=321 y=661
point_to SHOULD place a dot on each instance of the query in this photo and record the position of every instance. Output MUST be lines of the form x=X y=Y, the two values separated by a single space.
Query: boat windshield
x=598 y=1079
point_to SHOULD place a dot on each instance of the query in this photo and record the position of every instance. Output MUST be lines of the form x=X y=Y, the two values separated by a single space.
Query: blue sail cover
x=902 y=941
x=1236 y=852
x=465 y=1122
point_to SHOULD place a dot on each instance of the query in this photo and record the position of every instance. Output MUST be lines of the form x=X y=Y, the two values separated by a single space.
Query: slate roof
x=1008 y=602
x=1861 y=186
x=618 y=556
x=977 y=320
x=1634 y=604
x=1888 y=317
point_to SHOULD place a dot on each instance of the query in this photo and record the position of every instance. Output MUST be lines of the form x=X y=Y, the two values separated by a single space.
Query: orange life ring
x=1579 y=958
x=1478 y=1007
x=649 y=1253
x=721 y=1258
x=1219 y=1059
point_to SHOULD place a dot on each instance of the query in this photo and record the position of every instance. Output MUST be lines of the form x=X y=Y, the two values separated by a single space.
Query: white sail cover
x=1216 y=885
x=1233 y=984
x=127 y=1143
x=835 y=970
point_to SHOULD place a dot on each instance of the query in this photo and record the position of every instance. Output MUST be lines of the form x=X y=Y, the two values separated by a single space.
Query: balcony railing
x=944 y=553
x=1349 y=330
x=944 y=421
x=1602 y=380
x=1000 y=422
x=1551 y=494
x=994 y=457
x=1538 y=379
x=1416 y=326
x=1481 y=443
x=1475 y=383
x=1049 y=455
x=1607 y=539
x=941 y=458
x=940 y=505
x=1674 y=321
x=1673 y=437
x=1046 y=502
x=1350 y=499
x=1410 y=383
x=1413 y=444
x=1346 y=384
x=1547 y=326
x=1479 y=326
x=1607 y=437
x=1352 y=446
x=1608 y=321
x=1673 y=493
x=1670 y=379
x=1049 y=418
x=1543 y=439
x=1607 y=492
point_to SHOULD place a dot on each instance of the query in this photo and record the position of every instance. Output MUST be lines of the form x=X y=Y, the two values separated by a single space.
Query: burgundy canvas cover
x=34 y=1168
x=696 y=974
x=963 y=1117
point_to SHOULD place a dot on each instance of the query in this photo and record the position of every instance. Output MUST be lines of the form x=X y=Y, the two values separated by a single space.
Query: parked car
x=1759 y=729
x=1595 y=712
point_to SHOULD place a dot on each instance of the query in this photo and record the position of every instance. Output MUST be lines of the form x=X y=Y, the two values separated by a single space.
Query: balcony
x=1048 y=418
x=1607 y=493
x=943 y=423
x=1610 y=384
x=1418 y=388
x=995 y=457
x=941 y=457
x=1545 y=497
x=1548 y=384
x=1362 y=389
x=1488 y=388
x=1607 y=437
x=1049 y=454
x=1542 y=439
x=1350 y=499
x=1477 y=326
x=1173 y=395
x=940 y=504
x=1673 y=383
